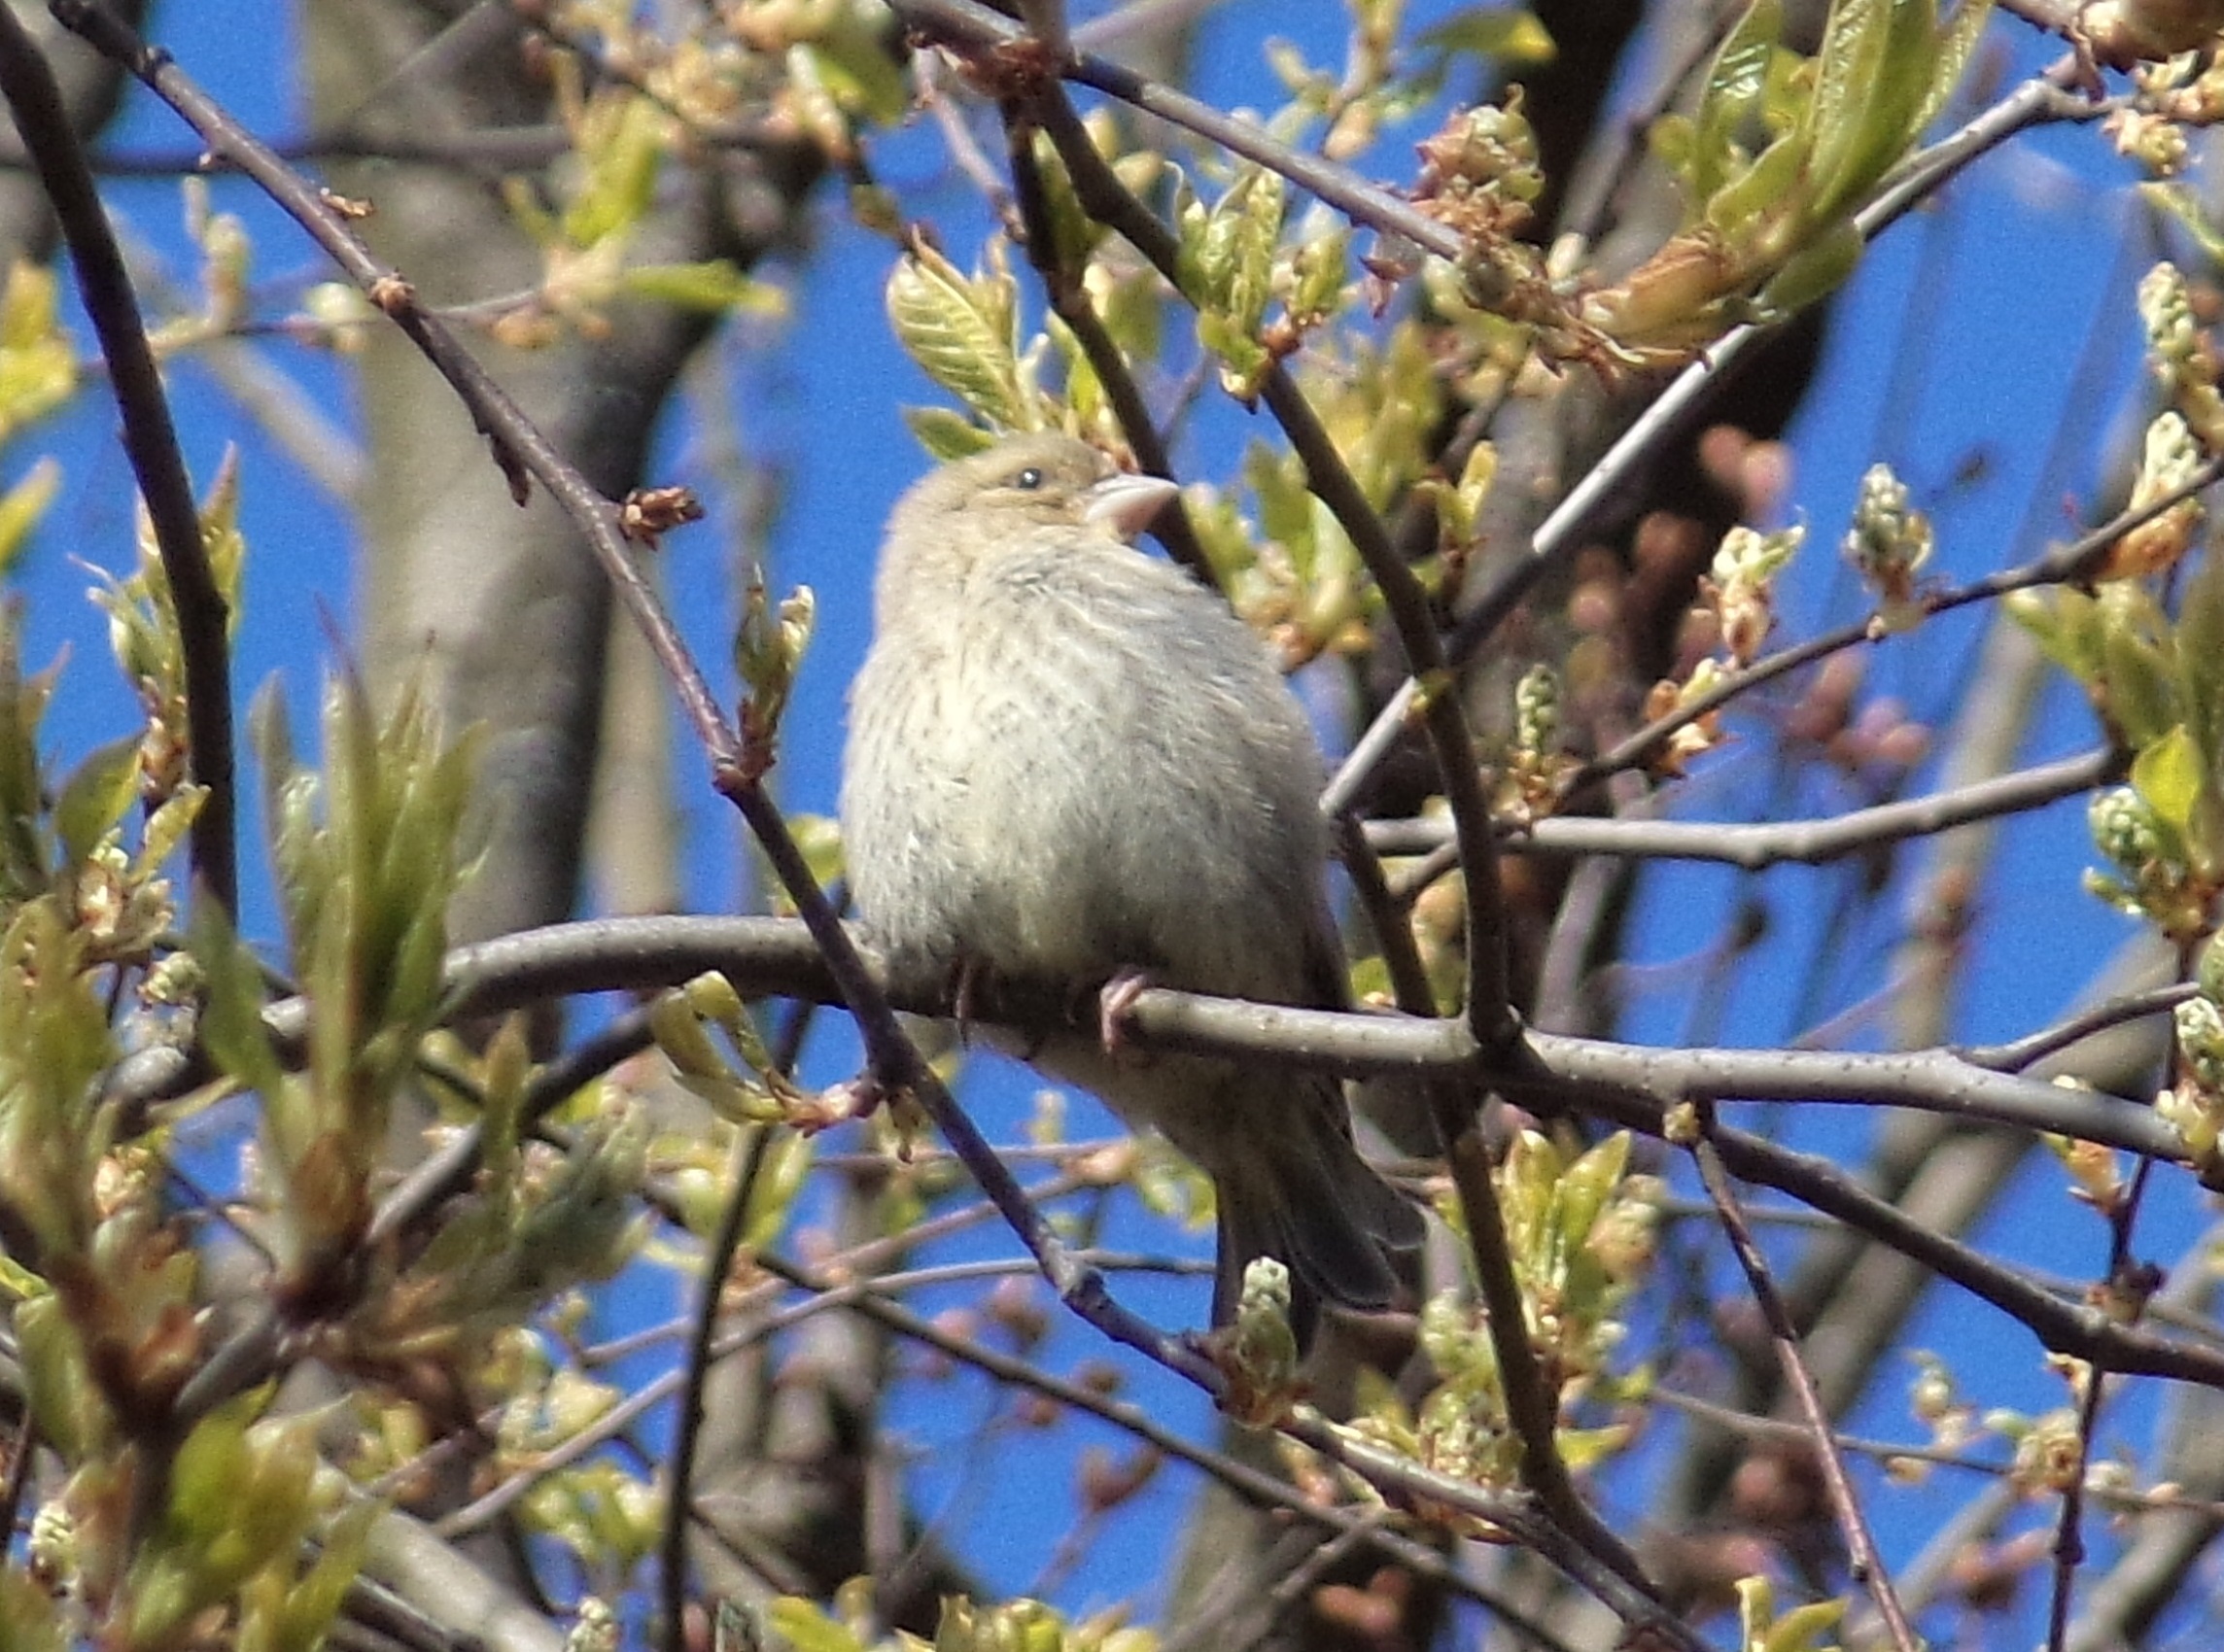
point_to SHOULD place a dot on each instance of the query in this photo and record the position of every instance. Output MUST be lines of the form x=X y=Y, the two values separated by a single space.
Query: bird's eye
x=1028 y=480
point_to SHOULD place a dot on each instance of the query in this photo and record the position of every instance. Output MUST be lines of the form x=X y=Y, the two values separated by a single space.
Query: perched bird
x=1071 y=765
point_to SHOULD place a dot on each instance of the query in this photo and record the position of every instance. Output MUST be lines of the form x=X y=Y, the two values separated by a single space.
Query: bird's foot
x=966 y=976
x=1113 y=1004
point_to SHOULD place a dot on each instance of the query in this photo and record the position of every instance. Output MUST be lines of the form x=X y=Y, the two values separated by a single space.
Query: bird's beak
x=1125 y=504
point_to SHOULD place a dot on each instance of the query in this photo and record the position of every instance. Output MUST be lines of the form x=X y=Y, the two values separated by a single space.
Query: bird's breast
x=1060 y=782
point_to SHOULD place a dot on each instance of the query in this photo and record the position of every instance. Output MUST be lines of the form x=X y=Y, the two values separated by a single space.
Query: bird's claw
x=965 y=981
x=1113 y=1005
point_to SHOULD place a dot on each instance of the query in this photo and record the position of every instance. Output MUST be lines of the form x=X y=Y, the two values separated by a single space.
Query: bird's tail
x=1301 y=1194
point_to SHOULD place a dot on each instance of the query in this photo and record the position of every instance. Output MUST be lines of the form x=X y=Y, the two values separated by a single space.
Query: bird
x=1071 y=765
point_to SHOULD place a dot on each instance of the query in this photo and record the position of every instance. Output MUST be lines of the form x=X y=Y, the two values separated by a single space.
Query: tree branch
x=1861 y=1542
x=149 y=438
x=1758 y=845
x=2034 y=102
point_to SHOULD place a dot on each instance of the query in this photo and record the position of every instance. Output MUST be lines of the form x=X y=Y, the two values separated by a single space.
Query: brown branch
x=975 y=32
x=717 y=1265
x=1069 y=301
x=1867 y=1563
x=1532 y=1410
x=150 y=440
x=1627 y=1085
x=777 y=957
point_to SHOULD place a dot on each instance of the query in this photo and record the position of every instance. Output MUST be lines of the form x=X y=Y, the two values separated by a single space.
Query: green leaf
x=2133 y=684
x=1226 y=253
x=2169 y=775
x=221 y=541
x=1073 y=234
x=858 y=70
x=1951 y=52
x=1815 y=272
x=1732 y=96
x=1510 y=37
x=1853 y=39
x=2199 y=660
x=1588 y=1183
x=1243 y=359
x=2067 y=627
x=31 y=1615
x=805 y=1628
x=960 y=329
x=98 y=795
x=232 y=1026
x=37 y=367
x=1285 y=505
x=1760 y=192
x=313 y=1602
x=1882 y=124
x=2183 y=205
x=946 y=434
x=712 y=286
x=1675 y=143
x=780 y=1180
x=21 y=507
x=1885 y=69
x=64 y=1400
x=622 y=155
x=1805 y=1629
x=1259 y=232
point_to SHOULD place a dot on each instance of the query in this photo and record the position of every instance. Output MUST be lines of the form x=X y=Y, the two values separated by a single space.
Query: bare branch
x=149 y=438
x=1861 y=1542
x=1756 y=846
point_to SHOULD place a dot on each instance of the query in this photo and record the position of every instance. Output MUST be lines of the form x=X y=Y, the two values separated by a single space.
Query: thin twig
x=2063 y=564
x=1576 y=515
x=680 y=1505
x=2123 y=1278
x=1867 y=1563
x=1532 y=1410
x=1489 y=1000
x=2032 y=1048
x=976 y=30
x=1069 y=301
x=1758 y=845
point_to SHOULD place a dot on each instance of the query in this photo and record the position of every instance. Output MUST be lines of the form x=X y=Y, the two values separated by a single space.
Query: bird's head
x=1027 y=483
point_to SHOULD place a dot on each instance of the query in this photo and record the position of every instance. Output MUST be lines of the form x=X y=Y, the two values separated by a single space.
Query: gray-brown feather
x=1067 y=759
